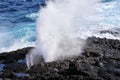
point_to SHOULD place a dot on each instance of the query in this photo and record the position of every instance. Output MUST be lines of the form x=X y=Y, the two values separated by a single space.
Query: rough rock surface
x=99 y=61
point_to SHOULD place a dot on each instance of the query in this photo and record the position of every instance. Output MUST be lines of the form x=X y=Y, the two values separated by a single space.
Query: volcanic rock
x=99 y=61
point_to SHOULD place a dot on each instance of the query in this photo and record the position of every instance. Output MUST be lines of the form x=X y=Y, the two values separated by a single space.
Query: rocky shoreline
x=99 y=61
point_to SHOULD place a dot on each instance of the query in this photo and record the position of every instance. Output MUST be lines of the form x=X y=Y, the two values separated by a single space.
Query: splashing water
x=62 y=28
x=17 y=28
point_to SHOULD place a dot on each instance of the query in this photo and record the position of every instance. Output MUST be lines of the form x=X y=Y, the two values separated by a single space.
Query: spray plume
x=62 y=28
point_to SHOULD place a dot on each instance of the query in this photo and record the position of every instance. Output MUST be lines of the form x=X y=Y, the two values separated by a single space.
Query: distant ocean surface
x=18 y=17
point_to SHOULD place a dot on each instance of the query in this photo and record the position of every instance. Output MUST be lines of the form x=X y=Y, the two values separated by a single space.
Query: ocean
x=18 y=22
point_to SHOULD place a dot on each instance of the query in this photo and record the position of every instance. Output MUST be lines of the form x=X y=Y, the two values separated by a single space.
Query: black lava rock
x=99 y=61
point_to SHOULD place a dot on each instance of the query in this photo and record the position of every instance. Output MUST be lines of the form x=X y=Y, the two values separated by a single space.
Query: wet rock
x=9 y=57
x=15 y=67
x=99 y=61
x=6 y=74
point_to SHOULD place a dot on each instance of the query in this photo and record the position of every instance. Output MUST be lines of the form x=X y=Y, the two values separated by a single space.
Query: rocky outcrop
x=99 y=61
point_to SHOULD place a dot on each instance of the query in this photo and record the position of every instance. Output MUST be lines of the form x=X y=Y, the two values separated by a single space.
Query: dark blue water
x=18 y=17
x=17 y=23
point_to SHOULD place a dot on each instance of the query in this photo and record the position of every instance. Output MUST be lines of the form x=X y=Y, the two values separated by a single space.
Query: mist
x=62 y=29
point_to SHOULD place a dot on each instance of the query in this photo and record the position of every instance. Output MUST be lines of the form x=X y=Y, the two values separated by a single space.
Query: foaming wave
x=109 y=25
x=18 y=44
x=23 y=35
x=32 y=16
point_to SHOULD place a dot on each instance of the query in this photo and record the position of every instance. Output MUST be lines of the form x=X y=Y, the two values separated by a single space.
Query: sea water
x=18 y=22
